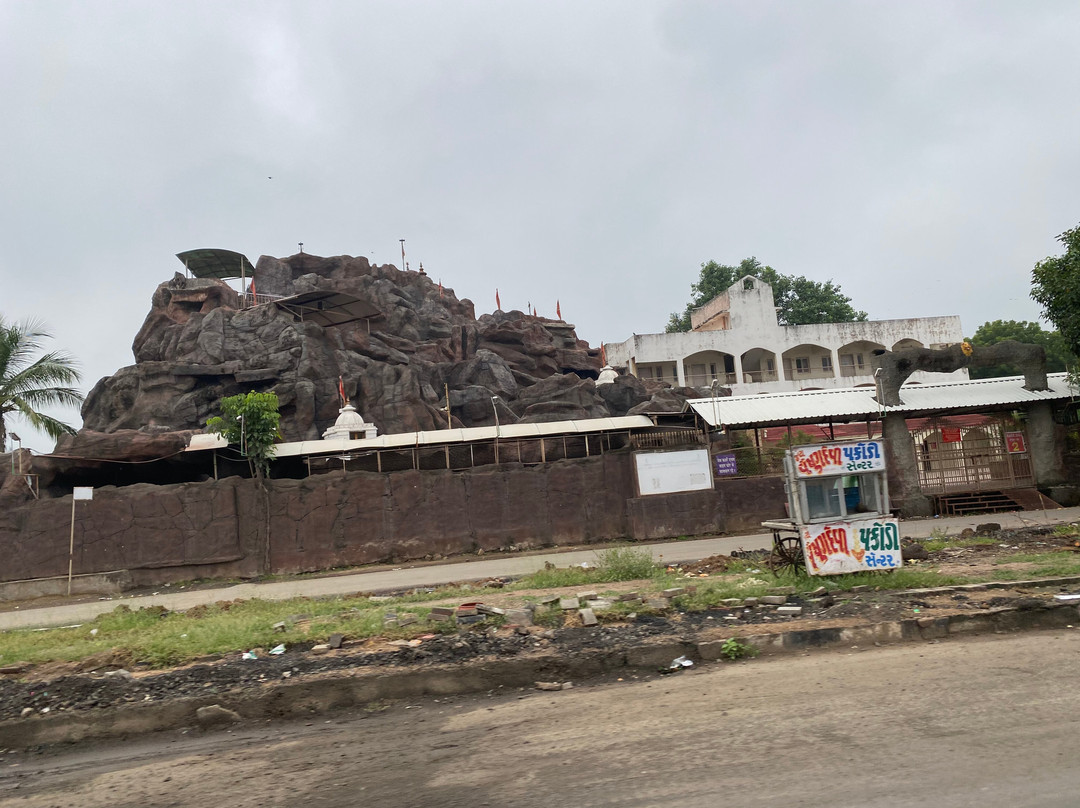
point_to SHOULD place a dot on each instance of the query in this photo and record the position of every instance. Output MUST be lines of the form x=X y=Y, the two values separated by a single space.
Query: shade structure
x=327 y=308
x=216 y=263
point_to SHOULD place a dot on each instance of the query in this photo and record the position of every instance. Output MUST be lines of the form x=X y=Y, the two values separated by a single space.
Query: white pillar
x=680 y=374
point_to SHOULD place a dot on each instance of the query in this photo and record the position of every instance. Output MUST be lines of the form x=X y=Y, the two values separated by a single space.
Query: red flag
x=558 y=311
x=534 y=312
x=341 y=391
x=498 y=303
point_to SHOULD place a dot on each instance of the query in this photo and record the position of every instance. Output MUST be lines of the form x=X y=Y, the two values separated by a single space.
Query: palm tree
x=26 y=384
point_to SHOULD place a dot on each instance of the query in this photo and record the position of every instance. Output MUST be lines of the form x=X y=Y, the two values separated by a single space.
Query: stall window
x=823 y=498
x=862 y=494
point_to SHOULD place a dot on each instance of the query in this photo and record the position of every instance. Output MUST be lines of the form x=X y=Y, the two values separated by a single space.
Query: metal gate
x=956 y=457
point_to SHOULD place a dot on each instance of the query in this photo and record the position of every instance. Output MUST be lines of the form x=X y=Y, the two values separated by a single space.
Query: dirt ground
x=105 y=680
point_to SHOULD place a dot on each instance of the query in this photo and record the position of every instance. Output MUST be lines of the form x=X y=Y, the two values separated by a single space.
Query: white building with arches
x=737 y=340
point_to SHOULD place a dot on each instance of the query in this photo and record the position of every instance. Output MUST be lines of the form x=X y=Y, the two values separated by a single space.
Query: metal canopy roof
x=859 y=404
x=439 y=437
x=213 y=263
x=327 y=308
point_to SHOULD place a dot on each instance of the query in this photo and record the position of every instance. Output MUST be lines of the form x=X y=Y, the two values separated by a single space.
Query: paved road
x=989 y=722
x=437 y=574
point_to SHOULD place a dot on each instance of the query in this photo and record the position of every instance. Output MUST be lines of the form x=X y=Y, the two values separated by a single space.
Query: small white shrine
x=350 y=425
x=608 y=374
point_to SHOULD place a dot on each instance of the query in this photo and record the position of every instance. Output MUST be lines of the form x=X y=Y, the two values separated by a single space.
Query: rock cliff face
x=197 y=346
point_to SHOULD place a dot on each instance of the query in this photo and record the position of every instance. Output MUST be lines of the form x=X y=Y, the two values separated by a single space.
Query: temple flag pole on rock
x=341 y=392
x=498 y=303
x=558 y=310
x=603 y=356
x=440 y=288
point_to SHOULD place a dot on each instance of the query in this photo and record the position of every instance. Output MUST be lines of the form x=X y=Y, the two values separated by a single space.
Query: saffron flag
x=341 y=391
x=603 y=356
x=498 y=303
x=558 y=310
x=253 y=287
x=440 y=289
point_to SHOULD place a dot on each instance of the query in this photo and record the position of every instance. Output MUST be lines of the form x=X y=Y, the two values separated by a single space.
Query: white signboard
x=82 y=493
x=838 y=547
x=829 y=459
x=671 y=472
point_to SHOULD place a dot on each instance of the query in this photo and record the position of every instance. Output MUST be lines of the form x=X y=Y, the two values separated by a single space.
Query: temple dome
x=350 y=425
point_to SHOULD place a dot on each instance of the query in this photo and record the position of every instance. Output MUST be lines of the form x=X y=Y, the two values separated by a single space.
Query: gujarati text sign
x=828 y=459
x=839 y=547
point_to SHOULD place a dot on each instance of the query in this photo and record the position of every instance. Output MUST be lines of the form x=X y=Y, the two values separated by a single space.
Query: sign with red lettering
x=840 y=547
x=829 y=459
x=950 y=435
x=1014 y=442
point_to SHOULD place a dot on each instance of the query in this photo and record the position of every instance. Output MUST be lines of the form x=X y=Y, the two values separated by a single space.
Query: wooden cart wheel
x=787 y=555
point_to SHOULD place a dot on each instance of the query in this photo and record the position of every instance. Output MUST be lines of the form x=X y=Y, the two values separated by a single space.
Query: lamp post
x=495 y=408
x=715 y=392
x=16 y=439
x=243 y=435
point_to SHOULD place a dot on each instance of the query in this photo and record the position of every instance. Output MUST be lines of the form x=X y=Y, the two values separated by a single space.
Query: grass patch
x=156 y=638
x=943 y=542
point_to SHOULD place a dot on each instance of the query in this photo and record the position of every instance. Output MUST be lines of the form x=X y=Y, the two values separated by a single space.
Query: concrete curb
x=347 y=690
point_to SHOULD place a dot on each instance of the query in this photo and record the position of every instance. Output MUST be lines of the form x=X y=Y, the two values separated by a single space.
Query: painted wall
x=754 y=325
x=218 y=529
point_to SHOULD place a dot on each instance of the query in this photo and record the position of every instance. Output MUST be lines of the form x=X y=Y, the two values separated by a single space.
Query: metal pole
x=449 y=423
x=243 y=285
x=402 y=254
x=71 y=544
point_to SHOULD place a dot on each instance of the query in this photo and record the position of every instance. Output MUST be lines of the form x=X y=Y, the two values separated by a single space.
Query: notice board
x=672 y=472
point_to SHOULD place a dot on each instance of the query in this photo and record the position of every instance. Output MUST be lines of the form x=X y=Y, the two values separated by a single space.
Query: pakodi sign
x=828 y=459
x=839 y=547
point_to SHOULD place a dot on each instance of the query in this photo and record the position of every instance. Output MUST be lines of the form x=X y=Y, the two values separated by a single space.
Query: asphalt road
x=989 y=722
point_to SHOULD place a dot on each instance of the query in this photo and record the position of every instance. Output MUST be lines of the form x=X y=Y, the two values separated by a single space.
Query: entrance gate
x=956 y=457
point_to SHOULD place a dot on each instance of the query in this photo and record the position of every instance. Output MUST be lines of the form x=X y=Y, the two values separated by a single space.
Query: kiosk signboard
x=828 y=459
x=834 y=548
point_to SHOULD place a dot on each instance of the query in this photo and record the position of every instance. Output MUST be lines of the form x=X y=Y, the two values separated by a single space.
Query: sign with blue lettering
x=838 y=547
x=828 y=459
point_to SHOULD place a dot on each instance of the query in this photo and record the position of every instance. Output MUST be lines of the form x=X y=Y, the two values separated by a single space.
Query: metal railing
x=249 y=300
x=978 y=461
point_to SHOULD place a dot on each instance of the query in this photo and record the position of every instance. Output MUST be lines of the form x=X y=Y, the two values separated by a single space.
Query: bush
x=625 y=564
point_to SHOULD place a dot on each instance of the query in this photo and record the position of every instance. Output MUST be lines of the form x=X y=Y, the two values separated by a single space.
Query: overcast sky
x=923 y=155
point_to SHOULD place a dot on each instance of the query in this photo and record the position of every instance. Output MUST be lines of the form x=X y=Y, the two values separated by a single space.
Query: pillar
x=904 y=479
x=1047 y=463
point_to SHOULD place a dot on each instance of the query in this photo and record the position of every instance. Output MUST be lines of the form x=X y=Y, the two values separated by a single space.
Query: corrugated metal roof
x=443 y=436
x=216 y=263
x=440 y=437
x=822 y=406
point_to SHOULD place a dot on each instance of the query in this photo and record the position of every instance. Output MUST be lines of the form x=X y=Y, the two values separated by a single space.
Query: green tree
x=27 y=383
x=799 y=300
x=1055 y=283
x=250 y=420
x=1058 y=355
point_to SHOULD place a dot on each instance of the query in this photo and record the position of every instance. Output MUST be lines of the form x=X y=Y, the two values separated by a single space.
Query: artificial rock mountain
x=197 y=346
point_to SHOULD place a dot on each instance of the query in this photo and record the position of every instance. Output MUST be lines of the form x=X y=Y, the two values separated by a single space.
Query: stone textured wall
x=221 y=528
x=191 y=529
x=733 y=506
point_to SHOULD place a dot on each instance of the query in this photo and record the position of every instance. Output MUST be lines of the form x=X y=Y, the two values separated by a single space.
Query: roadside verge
x=353 y=688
